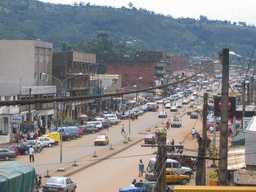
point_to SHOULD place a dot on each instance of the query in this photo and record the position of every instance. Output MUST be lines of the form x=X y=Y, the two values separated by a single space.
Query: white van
x=98 y=124
x=170 y=164
x=112 y=117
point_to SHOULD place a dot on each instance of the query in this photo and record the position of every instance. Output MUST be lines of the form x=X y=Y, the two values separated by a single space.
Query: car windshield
x=159 y=129
x=56 y=180
x=100 y=137
x=175 y=119
x=149 y=136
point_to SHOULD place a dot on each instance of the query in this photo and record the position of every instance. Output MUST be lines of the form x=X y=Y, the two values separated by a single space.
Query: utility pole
x=243 y=103
x=223 y=173
x=200 y=173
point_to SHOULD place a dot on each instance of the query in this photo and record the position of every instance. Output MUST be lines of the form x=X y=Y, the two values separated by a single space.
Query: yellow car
x=160 y=131
x=174 y=177
x=101 y=139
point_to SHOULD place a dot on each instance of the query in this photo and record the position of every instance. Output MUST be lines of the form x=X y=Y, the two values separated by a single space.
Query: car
x=176 y=122
x=101 y=139
x=185 y=102
x=171 y=177
x=160 y=131
x=105 y=124
x=81 y=132
x=47 y=142
x=98 y=124
x=150 y=139
x=66 y=136
x=170 y=164
x=174 y=109
x=162 y=114
x=91 y=128
x=210 y=124
x=12 y=148
x=6 y=154
x=167 y=105
x=35 y=144
x=22 y=148
x=192 y=98
x=184 y=160
x=59 y=184
x=178 y=105
x=189 y=111
x=194 y=115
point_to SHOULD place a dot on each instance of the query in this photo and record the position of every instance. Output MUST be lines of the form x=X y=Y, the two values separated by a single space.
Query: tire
x=26 y=152
x=194 y=167
x=49 y=145
x=188 y=174
x=68 y=139
x=74 y=137
x=38 y=150
x=183 y=182
x=7 y=158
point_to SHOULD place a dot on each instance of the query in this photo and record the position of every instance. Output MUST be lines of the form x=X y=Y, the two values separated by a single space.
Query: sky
x=230 y=10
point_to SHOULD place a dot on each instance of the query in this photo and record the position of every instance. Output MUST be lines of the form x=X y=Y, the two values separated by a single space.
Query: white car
x=167 y=106
x=47 y=142
x=174 y=109
x=178 y=105
x=176 y=122
x=192 y=99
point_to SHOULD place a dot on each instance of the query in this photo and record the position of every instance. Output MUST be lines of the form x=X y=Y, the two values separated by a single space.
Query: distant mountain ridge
x=142 y=29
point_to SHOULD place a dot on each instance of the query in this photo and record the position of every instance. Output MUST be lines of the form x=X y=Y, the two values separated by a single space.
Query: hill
x=139 y=28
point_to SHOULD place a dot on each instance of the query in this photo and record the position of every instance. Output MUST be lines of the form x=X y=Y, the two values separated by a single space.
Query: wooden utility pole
x=200 y=173
x=243 y=103
x=160 y=164
x=223 y=173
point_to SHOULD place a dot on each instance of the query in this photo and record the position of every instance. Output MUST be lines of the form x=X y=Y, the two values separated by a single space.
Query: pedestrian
x=193 y=132
x=122 y=129
x=31 y=135
x=133 y=184
x=180 y=148
x=31 y=154
x=141 y=168
x=36 y=134
x=172 y=143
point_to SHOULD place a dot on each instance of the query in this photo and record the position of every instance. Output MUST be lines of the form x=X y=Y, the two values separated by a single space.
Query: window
x=175 y=165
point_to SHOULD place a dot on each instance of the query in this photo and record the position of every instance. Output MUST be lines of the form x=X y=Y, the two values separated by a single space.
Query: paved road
x=121 y=169
x=77 y=149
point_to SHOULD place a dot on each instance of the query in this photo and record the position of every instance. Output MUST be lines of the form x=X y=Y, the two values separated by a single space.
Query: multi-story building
x=22 y=64
x=74 y=71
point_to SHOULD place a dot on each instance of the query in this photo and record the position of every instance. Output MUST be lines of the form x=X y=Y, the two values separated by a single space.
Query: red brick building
x=131 y=71
x=179 y=63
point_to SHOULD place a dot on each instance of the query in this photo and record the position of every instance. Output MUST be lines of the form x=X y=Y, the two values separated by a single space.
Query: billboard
x=231 y=106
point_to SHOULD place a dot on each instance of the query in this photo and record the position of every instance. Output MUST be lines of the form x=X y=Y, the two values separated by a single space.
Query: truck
x=16 y=176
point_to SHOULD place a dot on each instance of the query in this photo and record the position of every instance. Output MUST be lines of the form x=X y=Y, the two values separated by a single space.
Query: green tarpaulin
x=16 y=177
x=239 y=139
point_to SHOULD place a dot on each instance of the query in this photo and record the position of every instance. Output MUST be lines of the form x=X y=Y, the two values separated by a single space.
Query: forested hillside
x=138 y=28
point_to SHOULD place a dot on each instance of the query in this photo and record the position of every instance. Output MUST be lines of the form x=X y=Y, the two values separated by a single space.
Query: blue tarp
x=132 y=189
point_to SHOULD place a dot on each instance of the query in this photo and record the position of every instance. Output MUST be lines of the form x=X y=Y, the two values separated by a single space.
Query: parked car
x=6 y=154
x=47 y=142
x=59 y=184
x=210 y=124
x=81 y=132
x=174 y=109
x=90 y=128
x=104 y=124
x=150 y=139
x=184 y=160
x=170 y=164
x=98 y=124
x=192 y=99
x=36 y=144
x=185 y=102
x=73 y=130
x=66 y=136
x=176 y=122
x=112 y=117
x=12 y=148
x=22 y=148
x=162 y=114
x=101 y=140
x=194 y=115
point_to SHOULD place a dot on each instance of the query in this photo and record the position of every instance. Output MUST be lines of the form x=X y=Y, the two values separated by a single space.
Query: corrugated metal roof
x=236 y=158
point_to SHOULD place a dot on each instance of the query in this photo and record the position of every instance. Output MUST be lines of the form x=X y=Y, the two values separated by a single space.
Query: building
x=186 y=73
x=22 y=64
x=73 y=72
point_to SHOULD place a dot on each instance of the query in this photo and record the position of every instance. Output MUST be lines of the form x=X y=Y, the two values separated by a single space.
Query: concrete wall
x=17 y=61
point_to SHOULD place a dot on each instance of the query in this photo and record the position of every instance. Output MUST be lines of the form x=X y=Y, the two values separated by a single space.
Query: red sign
x=229 y=105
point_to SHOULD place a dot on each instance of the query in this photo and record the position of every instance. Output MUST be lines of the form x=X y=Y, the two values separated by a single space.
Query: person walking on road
x=193 y=132
x=31 y=154
x=122 y=129
x=141 y=168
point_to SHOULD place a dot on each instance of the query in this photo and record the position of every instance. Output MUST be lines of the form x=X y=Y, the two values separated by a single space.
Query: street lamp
x=129 y=108
x=61 y=111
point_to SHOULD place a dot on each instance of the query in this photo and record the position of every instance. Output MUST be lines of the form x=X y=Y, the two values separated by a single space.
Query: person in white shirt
x=31 y=154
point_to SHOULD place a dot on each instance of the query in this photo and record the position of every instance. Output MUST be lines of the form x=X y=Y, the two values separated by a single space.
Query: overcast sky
x=230 y=10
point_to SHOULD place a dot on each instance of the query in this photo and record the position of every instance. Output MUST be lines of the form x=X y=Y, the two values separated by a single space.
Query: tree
x=130 y=5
